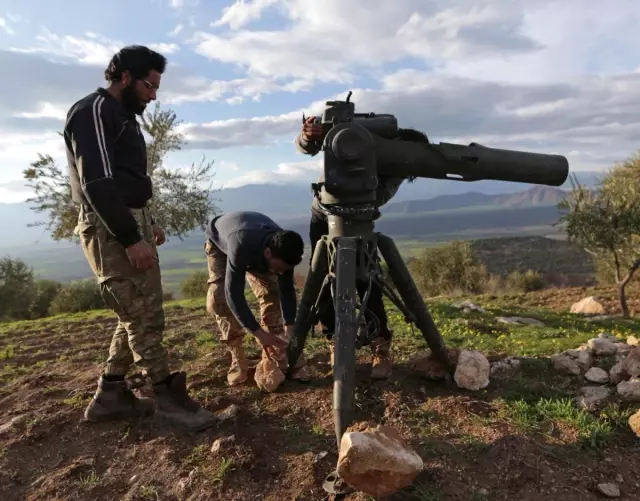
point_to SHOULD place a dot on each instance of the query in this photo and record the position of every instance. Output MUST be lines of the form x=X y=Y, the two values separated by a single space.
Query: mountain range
x=290 y=203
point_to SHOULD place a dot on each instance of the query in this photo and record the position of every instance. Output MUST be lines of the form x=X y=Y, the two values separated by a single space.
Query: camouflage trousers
x=264 y=286
x=134 y=295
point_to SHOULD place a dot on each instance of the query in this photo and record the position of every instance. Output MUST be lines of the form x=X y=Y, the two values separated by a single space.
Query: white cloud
x=288 y=172
x=176 y=31
x=242 y=13
x=177 y=4
x=47 y=110
x=5 y=26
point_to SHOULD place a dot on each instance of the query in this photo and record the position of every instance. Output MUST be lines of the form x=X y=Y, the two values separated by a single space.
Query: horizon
x=551 y=77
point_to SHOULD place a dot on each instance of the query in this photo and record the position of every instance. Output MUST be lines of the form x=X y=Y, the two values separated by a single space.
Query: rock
x=609 y=490
x=631 y=364
x=217 y=445
x=609 y=337
x=377 y=462
x=634 y=422
x=623 y=351
x=13 y=423
x=633 y=341
x=629 y=390
x=588 y=306
x=519 y=320
x=592 y=397
x=425 y=363
x=597 y=375
x=506 y=368
x=228 y=413
x=599 y=318
x=617 y=373
x=268 y=375
x=472 y=371
x=582 y=357
x=602 y=347
x=468 y=306
x=565 y=364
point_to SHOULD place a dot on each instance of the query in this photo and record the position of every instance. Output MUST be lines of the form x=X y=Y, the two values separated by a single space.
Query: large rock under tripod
x=377 y=462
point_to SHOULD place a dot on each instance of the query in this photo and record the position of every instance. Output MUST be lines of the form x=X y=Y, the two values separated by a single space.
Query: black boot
x=114 y=400
x=174 y=405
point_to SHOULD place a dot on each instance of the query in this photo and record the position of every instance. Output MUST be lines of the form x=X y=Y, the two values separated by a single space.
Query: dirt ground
x=278 y=446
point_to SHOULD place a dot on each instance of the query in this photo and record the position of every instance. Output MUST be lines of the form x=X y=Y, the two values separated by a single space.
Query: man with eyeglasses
x=107 y=159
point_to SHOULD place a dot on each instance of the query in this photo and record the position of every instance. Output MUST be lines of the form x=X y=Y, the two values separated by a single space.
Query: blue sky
x=550 y=76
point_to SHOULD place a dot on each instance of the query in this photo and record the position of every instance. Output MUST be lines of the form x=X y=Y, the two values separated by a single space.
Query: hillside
x=536 y=196
x=560 y=262
x=286 y=201
x=519 y=438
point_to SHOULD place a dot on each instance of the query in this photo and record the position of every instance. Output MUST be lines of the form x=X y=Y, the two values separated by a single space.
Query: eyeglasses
x=149 y=85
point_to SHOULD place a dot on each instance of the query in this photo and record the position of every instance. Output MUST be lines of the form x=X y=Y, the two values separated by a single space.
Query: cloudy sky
x=549 y=76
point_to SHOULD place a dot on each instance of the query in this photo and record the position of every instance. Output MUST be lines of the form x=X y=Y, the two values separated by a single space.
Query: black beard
x=130 y=100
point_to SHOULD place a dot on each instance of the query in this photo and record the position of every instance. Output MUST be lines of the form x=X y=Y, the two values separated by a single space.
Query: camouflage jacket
x=388 y=186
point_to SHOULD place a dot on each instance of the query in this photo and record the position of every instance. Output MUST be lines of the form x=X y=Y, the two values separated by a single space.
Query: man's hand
x=271 y=343
x=141 y=255
x=288 y=331
x=311 y=131
x=159 y=235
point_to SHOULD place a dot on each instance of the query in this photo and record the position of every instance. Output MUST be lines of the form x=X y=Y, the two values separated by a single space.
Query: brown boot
x=174 y=405
x=381 y=363
x=114 y=400
x=238 y=371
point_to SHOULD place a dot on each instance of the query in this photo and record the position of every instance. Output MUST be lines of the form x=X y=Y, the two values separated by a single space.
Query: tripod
x=346 y=255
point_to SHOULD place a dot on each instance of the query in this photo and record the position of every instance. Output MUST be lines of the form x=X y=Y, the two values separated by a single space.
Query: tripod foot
x=333 y=484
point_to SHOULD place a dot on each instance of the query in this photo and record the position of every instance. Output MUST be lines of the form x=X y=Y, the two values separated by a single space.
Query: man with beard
x=107 y=159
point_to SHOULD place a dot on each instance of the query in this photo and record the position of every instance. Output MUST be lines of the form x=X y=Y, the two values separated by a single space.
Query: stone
x=602 y=347
x=617 y=373
x=472 y=372
x=268 y=375
x=629 y=390
x=377 y=462
x=623 y=351
x=220 y=442
x=609 y=490
x=588 y=306
x=633 y=341
x=597 y=375
x=566 y=364
x=634 y=423
x=631 y=364
x=506 y=368
x=593 y=397
x=228 y=413
x=582 y=357
x=610 y=337
x=468 y=306
x=425 y=363
x=519 y=320
x=13 y=423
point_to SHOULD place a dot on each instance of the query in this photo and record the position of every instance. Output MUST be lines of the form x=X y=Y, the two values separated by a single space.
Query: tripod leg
x=345 y=336
x=312 y=287
x=413 y=300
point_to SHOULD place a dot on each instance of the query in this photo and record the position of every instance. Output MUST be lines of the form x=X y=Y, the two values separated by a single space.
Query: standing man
x=309 y=142
x=107 y=160
x=250 y=245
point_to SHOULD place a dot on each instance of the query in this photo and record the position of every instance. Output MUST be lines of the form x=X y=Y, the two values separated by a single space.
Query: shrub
x=195 y=285
x=525 y=282
x=448 y=269
x=73 y=297
x=17 y=289
x=45 y=292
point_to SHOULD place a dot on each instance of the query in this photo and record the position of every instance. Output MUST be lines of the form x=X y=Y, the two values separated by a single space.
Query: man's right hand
x=311 y=131
x=141 y=255
x=270 y=342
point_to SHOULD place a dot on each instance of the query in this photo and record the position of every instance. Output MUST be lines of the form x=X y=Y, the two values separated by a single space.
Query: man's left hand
x=159 y=235
x=288 y=331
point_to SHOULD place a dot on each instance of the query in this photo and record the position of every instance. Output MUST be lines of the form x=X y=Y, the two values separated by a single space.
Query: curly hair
x=287 y=245
x=137 y=60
